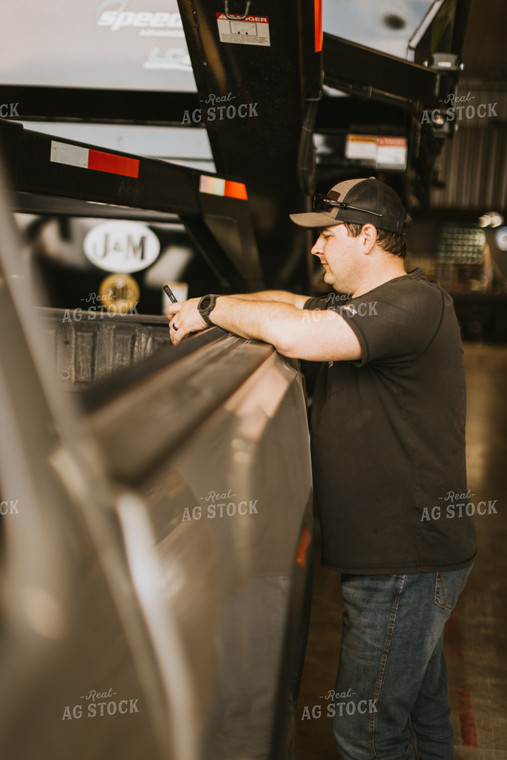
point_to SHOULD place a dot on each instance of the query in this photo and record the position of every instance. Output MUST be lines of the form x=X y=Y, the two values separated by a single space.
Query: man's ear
x=369 y=237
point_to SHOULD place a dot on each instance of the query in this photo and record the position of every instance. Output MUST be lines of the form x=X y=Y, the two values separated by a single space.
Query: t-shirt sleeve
x=331 y=300
x=395 y=327
x=316 y=302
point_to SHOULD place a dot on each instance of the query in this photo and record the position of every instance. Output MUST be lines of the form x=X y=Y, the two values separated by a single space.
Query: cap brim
x=315 y=219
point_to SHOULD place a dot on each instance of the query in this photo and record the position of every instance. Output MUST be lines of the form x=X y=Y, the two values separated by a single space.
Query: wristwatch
x=206 y=306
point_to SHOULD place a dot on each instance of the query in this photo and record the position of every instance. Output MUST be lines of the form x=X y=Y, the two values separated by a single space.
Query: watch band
x=206 y=306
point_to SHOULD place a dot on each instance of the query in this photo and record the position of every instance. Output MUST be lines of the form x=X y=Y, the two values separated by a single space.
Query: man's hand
x=184 y=318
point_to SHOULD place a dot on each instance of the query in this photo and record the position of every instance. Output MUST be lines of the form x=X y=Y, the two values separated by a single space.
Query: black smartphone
x=171 y=295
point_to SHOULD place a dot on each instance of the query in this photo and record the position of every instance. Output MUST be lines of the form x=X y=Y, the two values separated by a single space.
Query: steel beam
x=368 y=73
x=277 y=85
x=51 y=166
x=40 y=103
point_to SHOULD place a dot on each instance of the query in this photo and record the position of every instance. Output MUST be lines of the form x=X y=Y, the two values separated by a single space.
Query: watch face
x=205 y=306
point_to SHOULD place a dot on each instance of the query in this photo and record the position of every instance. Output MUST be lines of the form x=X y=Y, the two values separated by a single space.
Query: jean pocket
x=449 y=585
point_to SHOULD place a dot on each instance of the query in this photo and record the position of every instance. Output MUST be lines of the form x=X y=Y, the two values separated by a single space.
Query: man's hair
x=391 y=242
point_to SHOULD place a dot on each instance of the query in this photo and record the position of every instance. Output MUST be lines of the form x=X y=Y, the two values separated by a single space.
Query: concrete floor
x=476 y=634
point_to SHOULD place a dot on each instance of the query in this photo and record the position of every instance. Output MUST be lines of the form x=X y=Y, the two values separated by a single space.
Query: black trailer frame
x=261 y=106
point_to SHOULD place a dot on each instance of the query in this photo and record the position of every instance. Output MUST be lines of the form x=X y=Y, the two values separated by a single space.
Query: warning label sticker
x=380 y=152
x=361 y=147
x=392 y=151
x=252 y=30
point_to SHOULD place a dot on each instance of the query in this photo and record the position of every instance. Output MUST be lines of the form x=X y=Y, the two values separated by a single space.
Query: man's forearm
x=292 y=331
x=258 y=320
x=279 y=296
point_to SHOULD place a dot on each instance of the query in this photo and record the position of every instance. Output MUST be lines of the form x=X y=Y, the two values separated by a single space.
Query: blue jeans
x=391 y=692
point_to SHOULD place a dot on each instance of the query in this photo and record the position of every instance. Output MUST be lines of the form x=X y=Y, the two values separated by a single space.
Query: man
x=388 y=451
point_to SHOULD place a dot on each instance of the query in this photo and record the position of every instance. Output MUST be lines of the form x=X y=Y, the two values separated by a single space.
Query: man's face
x=338 y=253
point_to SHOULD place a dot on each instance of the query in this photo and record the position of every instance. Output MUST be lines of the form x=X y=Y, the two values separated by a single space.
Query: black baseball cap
x=357 y=201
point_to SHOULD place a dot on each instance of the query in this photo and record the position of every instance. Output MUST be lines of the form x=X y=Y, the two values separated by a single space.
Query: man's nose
x=317 y=246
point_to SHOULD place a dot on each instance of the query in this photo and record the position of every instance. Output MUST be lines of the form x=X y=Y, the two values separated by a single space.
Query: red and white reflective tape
x=317 y=14
x=87 y=158
x=223 y=187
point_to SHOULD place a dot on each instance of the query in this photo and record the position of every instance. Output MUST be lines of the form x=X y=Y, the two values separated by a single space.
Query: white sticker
x=72 y=155
x=253 y=30
x=379 y=152
x=121 y=246
x=361 y=147
x=392 y=152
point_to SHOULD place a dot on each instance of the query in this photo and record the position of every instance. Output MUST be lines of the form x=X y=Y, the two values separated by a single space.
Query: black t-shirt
x=388 y=435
